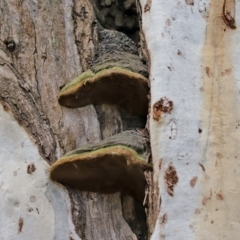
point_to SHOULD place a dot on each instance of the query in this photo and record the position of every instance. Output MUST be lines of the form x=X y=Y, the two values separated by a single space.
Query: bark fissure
x=85 y=38
x=34 y=56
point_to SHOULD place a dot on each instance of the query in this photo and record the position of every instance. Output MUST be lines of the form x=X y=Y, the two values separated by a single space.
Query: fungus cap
x=113 y=85
x=106 y=170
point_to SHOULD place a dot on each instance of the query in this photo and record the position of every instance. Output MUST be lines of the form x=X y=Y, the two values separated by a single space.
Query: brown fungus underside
x=114 y=164
x=114 y=85
x=107 y=170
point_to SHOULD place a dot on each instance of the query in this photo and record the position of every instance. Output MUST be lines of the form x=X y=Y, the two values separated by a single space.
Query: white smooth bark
x=31 y=206
x=195 y=64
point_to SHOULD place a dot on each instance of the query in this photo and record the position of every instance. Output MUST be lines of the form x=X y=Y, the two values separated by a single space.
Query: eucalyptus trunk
x=194 y=123
x=189 y=51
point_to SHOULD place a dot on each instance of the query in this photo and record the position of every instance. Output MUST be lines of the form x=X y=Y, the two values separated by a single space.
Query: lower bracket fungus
x=115 y=164
x=113 y=85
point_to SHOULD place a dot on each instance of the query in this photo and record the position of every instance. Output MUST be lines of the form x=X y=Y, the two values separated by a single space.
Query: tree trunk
x=194 y=123
x=191 y=51
x=44 y=45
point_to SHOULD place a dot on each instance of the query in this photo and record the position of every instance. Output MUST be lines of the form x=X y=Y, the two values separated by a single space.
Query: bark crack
x=34 y=56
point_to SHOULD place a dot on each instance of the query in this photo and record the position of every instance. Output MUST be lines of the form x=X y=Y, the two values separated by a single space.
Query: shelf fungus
x=115 y=164
x=116 y=76
x=112 y=85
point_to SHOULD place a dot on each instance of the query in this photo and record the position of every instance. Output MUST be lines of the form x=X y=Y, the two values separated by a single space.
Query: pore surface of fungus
x=113 y=85
x=105 y=168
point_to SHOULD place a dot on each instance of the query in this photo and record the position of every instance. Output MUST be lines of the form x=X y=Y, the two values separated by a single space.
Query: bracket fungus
x=116 y=76
x=115 y=85
x=115 y=164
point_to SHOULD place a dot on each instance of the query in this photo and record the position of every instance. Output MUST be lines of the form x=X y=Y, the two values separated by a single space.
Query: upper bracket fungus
x=115 y=164
x=115 y=85
x=117 y=76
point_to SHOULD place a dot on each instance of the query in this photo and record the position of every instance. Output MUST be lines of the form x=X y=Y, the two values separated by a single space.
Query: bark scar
x=229 y=13
x=147 y=6
x=189 y=2
x=164 y=105
x=20 y=224
x=171 y=179
x=164 y=219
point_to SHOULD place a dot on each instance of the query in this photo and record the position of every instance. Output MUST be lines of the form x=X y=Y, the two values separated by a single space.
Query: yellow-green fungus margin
x=114 y=85
x=106 y=170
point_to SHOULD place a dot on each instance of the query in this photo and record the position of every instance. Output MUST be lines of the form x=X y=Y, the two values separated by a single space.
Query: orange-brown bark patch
x=189 y=2
x=229 y=13
x=193 y=181
x=171 y=179
x=219 y=196
x=164 y=219
x=164 y=105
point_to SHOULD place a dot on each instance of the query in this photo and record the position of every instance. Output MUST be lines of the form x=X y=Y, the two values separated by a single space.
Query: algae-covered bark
x=131 y=139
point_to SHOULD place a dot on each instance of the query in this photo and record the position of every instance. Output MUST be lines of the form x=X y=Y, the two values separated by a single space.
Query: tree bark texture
x=194 y=119
x=44 y=45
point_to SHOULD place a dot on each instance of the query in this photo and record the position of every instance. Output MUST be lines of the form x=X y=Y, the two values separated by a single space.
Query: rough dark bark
x=16 y=95
x=119 y=15
x=44 y=45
